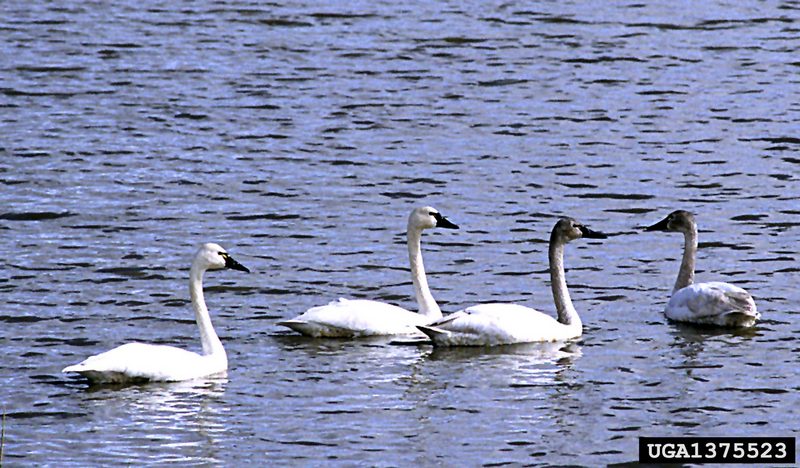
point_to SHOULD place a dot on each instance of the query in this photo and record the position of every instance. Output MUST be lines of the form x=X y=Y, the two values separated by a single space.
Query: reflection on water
x=524 y=365
x=181 y=422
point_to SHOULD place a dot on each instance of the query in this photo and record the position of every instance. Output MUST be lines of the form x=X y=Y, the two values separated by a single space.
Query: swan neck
x=558 y=282
x=427 y=304
x=211 y=343
x=686 y=273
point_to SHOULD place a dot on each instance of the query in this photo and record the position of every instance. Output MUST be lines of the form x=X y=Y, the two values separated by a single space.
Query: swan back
x=346 y=318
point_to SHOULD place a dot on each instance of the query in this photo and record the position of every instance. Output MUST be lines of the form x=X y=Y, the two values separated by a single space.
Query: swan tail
x=433 y=332
x=91 y=372
x=300 y=326
x=741 y=319
x=95 y=375
x=104 y=377
x=318 y=330
x=73 y=368
x=82 y=366
x=745 y=313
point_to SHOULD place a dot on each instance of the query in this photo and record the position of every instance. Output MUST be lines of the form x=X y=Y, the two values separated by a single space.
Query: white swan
x=714 y=303
x=500 y=324
x=141 y=362
x=360 y=317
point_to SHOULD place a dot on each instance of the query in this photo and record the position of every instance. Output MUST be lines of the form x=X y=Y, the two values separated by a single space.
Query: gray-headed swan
x=500 y=324
x=714 y=303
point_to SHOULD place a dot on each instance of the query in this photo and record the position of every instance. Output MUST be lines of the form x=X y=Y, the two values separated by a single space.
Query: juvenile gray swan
x=142 y=362
x=501 y=324
x=714 y=303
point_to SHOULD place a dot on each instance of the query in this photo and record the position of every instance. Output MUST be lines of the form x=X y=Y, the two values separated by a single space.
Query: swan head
x=426 y=217
x=212 y=256
x=677 y=221
x=568 y=229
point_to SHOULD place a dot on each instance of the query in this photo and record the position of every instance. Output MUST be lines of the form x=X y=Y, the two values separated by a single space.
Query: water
x=300 y=136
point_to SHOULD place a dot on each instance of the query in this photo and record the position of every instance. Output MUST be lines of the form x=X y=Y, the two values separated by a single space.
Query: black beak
x=589 y=234
x=234 y=265
x=443 y=222
x=659 y=226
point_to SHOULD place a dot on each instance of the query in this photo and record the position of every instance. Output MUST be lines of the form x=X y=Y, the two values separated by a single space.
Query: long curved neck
x=211 y=343
x=686 y=273
x=427 y=304
x=558 y=282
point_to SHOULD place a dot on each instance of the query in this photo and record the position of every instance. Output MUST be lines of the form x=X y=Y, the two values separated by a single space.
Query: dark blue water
x=300 y=136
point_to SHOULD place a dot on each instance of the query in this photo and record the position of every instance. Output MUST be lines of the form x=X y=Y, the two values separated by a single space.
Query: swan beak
x=589 y=234
x=443 y=222
x=234 y=265
x=659 y=226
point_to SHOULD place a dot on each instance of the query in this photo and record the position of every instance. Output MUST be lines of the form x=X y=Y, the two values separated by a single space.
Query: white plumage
x=713 y=303
x=346 y=318
x=142 y=362
x=499 y=324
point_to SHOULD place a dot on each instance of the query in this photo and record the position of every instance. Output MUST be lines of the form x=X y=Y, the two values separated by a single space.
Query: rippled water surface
x=300 y=136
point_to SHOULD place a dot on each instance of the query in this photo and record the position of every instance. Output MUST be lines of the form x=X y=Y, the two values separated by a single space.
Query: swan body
x=345 y=318
x=142 y=362
x=714 y=303
x=500 y=324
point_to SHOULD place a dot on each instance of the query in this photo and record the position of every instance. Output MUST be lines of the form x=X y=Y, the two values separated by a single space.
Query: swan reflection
x=182 y=422
x=519 y=365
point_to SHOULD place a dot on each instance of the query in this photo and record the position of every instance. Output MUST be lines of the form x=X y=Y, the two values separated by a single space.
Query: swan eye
x=435 y=215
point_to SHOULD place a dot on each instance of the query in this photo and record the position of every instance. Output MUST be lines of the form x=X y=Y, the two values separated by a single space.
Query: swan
x=714 y=303
x=346 y=318
x=501 y=324
x=141 y=362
